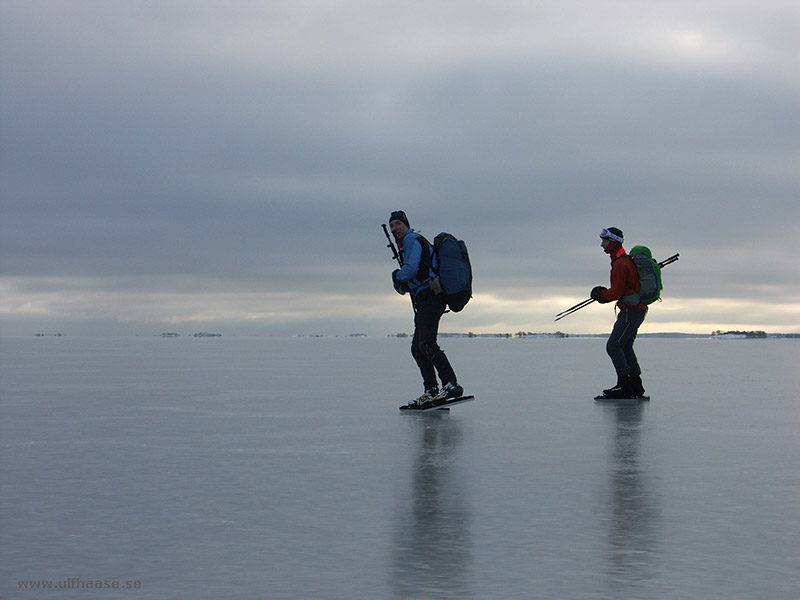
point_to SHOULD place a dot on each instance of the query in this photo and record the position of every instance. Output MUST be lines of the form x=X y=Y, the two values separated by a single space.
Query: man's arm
x=619 y=277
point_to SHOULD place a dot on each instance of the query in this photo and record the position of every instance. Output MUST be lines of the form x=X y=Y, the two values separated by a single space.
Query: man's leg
x=620 y=343
x=635 y=319
x=634 y=370
x=620 y=349
x=426 y=368
x=425 y=349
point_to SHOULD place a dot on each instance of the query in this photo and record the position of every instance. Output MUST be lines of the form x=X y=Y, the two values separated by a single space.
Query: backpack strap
x=425 y=262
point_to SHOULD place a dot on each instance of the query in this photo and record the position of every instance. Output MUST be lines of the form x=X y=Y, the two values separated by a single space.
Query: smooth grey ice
x=282 y=469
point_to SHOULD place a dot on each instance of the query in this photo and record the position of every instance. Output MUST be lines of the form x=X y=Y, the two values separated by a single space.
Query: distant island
x=719 y=334
x=750 y=335
x=202 y=334
x=527 y=334
x=519 y=334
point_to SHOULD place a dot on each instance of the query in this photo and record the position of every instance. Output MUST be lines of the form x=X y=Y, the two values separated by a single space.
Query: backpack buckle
x=436 y=285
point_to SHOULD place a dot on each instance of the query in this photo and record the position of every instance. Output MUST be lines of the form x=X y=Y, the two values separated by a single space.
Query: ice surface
x=282 y=469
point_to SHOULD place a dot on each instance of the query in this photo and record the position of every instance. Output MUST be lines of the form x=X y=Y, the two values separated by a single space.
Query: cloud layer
x=228 y=165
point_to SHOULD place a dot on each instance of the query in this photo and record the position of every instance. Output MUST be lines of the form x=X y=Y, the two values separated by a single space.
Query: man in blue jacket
x=415 y=277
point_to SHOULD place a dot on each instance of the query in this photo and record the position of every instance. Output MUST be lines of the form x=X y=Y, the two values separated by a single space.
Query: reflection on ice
x=634 y=521
x=432 y=539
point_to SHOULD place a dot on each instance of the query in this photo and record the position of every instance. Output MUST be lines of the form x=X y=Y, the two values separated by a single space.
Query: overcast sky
x=225 y=165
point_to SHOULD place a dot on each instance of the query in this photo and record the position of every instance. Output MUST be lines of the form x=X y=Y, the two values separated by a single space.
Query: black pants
x=426 y=351
x=620 y=342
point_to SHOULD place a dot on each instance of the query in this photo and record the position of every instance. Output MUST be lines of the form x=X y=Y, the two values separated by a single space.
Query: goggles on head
x=607 y=235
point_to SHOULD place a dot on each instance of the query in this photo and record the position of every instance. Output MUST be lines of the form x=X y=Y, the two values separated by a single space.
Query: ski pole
x=574 y=308
x=398 y=258
x=580 y=305
x=669 y=261
x=390 y=245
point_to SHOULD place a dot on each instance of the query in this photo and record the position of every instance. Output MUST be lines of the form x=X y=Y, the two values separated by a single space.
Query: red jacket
x=624 y=281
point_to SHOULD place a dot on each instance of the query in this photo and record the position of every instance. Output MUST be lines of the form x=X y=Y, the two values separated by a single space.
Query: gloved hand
x=401 y=287
x=595 y=293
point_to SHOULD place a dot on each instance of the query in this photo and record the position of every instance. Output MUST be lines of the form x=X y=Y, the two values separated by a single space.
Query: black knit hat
x=399 y=215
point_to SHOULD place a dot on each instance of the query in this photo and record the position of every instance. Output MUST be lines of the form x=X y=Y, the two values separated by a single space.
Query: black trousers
x=620 y=343
x=430 y=358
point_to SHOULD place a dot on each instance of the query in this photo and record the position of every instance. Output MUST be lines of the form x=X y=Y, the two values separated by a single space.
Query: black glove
x=401 y=287
x=595 y=293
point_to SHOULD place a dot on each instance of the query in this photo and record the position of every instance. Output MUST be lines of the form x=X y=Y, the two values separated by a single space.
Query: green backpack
x=649 y=277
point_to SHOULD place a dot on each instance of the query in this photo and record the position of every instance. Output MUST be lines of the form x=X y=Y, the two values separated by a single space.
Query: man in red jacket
x=624 y=287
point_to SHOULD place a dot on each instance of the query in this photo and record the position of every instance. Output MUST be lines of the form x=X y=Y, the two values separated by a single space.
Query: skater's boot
x=609 y=390
x=637 y=389
x=450 y=390
x=428 y=396
x=621 y=390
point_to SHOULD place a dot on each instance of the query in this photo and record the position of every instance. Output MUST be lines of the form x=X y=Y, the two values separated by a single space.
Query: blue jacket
x=413 y=255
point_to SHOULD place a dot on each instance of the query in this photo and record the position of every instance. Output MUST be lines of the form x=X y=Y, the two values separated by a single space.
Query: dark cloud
x=152 y=149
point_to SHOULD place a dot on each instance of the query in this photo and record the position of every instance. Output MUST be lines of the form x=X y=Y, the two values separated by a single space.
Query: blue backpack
x=453 y=270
